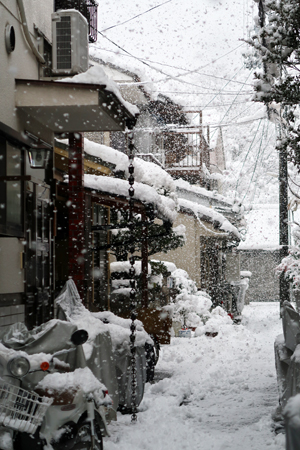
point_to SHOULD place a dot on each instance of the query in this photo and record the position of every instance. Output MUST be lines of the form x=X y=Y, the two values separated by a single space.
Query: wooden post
x=284 y=285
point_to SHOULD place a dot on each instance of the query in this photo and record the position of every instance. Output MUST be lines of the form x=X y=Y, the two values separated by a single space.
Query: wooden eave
x=114 y=201
x=91 y=167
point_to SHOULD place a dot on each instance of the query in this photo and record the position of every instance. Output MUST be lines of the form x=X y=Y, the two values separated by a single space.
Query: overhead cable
x=238 y=179
x=179 y=68
x=134 y=17
x=232 y=103
x=169 y=77
x=257 y=159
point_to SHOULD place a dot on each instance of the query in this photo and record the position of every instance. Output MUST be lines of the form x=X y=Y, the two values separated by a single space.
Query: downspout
x=31 y=44
x=144 y=261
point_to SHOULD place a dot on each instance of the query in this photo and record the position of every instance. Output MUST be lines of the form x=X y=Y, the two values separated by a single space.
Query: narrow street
x=211 y=393
x=149 y=188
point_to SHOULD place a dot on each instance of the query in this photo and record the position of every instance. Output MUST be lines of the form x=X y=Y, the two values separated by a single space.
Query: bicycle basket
x=21 y=410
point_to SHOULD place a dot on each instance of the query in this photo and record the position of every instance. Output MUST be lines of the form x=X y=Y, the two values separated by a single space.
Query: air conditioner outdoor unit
x=70 y=42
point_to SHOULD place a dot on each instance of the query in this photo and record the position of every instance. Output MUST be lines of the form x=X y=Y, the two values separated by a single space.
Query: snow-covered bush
x=191 y=307
x=290 y=265
x=192 y=310
x=218 y=317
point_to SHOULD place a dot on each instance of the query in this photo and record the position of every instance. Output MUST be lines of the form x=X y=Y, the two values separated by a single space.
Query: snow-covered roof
x=96 y=75
x=152 y=183
x=144 y=172
x=127 y=82
x=165 y=207
x=212 y=197
x=210 y=215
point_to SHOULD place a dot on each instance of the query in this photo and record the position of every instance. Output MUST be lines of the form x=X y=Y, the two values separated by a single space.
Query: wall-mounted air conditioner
x=70 y=42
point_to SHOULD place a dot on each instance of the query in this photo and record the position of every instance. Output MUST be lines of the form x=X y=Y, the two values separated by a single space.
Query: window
x=100 y=258
x=11 y=196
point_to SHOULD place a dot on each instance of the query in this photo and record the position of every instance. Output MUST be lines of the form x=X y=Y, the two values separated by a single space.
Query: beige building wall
x=21 y=63
x=188 y=256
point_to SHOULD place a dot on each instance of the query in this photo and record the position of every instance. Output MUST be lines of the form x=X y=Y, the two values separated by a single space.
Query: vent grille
x=63 y=43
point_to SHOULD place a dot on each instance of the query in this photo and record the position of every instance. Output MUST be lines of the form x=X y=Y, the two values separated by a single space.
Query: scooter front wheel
x=84 y=437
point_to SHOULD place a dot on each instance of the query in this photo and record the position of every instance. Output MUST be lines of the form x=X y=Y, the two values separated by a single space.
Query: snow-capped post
x=132 y=279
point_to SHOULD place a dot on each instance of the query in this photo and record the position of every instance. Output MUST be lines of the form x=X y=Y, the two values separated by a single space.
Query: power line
x=141 y=83
x=238 y=179
x=197 y=92
x=174 y=128
x=178 y=68
x=255 y=185
x=169 y=77
x=138 y=15
x=219 y=105
x=257 y=159
x=232 y=104
x=224 y=87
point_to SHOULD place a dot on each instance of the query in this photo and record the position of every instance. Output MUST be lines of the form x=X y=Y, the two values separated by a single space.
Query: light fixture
x=39 y=152
x=38 y=157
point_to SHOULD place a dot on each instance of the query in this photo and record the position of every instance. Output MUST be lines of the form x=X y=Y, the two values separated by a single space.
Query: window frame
x=10 y=228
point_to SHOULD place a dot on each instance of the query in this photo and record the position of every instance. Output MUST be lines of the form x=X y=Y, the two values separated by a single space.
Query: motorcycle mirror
x=79 y=337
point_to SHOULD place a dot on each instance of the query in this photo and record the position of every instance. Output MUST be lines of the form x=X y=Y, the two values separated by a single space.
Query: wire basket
x=21 y=410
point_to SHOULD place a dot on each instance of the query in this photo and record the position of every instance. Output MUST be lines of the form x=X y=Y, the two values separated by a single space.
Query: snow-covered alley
x=211 y=393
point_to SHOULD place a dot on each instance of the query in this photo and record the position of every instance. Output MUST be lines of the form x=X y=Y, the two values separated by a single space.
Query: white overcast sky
x=189 y=35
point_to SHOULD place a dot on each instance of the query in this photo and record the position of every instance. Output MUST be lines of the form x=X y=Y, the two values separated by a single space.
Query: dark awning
x=72 y=107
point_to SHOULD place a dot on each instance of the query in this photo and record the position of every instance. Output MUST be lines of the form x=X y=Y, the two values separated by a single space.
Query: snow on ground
x=211 y=393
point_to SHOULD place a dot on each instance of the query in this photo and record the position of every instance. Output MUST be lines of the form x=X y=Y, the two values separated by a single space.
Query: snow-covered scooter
x=48 y=403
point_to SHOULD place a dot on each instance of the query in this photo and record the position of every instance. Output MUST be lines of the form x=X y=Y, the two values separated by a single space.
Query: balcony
x=88 y=9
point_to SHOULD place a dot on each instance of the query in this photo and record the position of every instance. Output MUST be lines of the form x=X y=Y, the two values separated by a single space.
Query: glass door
x=100 y=272
x=39 y=255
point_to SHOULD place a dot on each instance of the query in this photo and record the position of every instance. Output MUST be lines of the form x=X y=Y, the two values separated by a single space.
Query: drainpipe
x=31 y=44
x=144 y=261
x=76 y=242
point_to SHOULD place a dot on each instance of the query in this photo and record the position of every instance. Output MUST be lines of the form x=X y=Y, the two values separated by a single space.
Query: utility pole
x=284 y=288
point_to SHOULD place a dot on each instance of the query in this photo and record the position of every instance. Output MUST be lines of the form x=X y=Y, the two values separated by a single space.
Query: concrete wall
x=39 y=12
x=264 y=283
x=21 y=63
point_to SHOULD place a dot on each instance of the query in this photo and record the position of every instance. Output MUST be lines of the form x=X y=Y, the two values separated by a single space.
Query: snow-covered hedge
x=290 y=265
x=193 y=308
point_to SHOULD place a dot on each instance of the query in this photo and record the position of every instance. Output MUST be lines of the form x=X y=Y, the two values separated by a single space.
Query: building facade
x=34 y=111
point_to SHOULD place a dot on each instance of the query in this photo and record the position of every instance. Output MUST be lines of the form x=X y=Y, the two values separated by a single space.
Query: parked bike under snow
x=48 y=395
